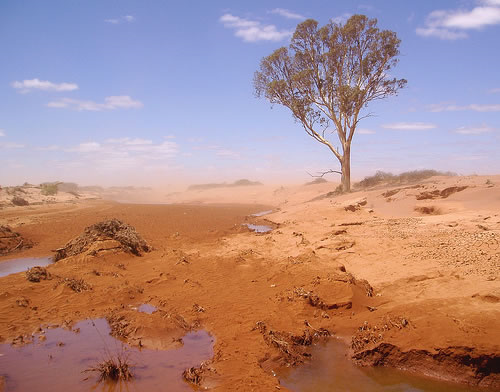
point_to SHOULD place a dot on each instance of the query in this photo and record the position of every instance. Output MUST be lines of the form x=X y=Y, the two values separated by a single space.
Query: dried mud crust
x=456 y=363
x=122 y=235
x=10 y=241
x=440 y=194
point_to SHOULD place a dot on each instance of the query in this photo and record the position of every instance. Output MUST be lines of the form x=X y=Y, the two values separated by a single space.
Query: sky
x=160 y=93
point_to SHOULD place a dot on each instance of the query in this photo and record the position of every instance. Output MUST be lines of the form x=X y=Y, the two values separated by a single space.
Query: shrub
x=19 y=201
x=49 y=189
x=406 y=177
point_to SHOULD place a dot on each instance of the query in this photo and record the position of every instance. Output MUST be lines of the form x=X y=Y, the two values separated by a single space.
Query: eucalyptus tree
x=328 y=75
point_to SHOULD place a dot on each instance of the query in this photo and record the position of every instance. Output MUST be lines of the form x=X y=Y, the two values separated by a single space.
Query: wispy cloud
x=494 y=90
x=410 y=126
x=122 y=153
x=11 y=145
x=452 y=24
x=2 y=132
x=124 y=18
x=253 y=31
x=341 y=18
x=110 y=103
x=287 y=13
x=365 y=131
x=473 y=107
x=475 y=130
x=219 y=150
x=36 y=84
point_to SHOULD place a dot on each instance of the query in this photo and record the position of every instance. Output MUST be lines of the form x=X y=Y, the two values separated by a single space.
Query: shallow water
x=258 y=228
x=331 y=371
x=18 y=265
x=262 y=213
x=146 y=308
x=48 y=365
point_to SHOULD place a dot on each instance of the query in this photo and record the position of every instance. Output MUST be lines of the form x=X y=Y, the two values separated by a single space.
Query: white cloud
x=253 y=31
x=2 y=132
x=35 y=84
x=494 y=90
x=125 y=18
x=477 y=130
x=342 y=18
x=122 y=153
x=449 y=24
x=11 y=145
x=110 y=103
x=474 y=107
x=364 y=131
x=287 y=13
x=410 y=126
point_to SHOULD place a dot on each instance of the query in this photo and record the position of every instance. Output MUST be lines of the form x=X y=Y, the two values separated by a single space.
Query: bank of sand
x=408 y=275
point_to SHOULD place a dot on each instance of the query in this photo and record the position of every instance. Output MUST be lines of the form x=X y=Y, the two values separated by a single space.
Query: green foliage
x=49 y=189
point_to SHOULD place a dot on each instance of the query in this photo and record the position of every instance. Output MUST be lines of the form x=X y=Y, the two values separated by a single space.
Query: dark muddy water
x=330 y=371
x=57 y=363
x=18 y=265
x=258 y=228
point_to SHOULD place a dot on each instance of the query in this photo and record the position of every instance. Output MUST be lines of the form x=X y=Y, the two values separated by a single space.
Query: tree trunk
x=346 y=169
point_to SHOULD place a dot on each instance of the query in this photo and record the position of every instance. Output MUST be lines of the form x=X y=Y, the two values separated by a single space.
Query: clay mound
x=443 y=194
x=10 y=241
x=124 y=236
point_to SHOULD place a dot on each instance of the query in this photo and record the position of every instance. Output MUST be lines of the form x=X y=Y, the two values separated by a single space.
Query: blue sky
x=160 y=92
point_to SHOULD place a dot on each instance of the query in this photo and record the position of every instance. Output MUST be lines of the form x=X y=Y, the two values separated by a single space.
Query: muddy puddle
x=19 y=265
x=262 y=213
x=146 y=308
x=258 y=228
x=57 y=362
x=330 y=371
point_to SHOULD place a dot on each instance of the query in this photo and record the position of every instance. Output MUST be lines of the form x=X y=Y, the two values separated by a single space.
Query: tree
x=328 y=75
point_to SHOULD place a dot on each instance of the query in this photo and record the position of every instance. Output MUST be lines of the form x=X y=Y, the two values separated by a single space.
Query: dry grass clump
x=381 y=177
x=36 y=274
x=77 y=285
x=113 y=369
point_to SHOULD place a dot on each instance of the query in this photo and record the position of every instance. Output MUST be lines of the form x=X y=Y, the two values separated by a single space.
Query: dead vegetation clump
x=194 y=375
x=77 y=285
x=114 y=369
x=428 y=210
x=372 y=334
x=36 y=274
x=292 y=348
x=128 y=238
x=10 y=241
x=19 y=201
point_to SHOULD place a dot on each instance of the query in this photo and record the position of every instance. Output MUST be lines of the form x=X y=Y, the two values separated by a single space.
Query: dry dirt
x=406 y=288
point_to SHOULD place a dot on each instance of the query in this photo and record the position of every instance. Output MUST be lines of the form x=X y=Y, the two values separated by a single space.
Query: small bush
x=381 y=177
x=114 y=369
x=49 y=189
x=19 y=201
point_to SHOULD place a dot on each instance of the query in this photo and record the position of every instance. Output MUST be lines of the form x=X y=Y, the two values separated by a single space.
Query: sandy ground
x=407 y=275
